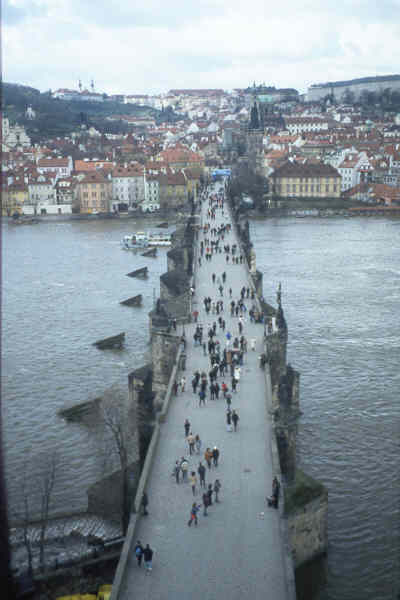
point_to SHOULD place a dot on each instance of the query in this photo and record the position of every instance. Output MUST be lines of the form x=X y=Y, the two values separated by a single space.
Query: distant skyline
x=151 y=47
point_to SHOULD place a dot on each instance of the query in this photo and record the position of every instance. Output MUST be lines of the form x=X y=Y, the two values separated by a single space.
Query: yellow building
x=94 y=193
x=14 y=197
x=173 y=191
x=193 y=181
x=309 y=180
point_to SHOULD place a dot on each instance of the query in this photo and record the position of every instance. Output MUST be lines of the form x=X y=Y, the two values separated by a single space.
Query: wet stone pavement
x=236 y=551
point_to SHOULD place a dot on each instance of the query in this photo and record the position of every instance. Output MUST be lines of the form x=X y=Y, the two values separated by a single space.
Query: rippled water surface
x=341 y=296
x=62 y=284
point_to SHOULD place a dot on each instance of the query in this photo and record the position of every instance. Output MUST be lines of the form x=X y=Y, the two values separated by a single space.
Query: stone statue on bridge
x=279 y=295
x=252 y=261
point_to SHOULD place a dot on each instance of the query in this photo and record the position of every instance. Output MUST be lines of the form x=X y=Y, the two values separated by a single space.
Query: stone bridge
x=241 y=548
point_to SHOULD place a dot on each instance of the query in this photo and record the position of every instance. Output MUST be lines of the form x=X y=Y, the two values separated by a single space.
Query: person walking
x=235 y=419
x=148 y=557
x=215 y=455
x=217 y=487
x=139 y=553
x=193 y=514
x=212 y=391
x=191 y=441
x=202 y=397
x=197 y=443
x=184 y=468
x=202 y=474
x=228 y=420
x=144 y=503
x=208 y=457
x=237 y=373
x=183 y=383
x=177 y=471
x=209 y=494
x=274 y=499
x=175 y=388
x=193 y=481
x=187 y=427
x=205 y=504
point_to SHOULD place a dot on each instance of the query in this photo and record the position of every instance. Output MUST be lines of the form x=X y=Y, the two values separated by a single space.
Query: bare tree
x=120 y=421
x=33 y=510
x=22 y=514
x=46 y=483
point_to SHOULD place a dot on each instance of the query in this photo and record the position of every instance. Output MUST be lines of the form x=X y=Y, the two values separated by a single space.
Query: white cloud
x=50 y=44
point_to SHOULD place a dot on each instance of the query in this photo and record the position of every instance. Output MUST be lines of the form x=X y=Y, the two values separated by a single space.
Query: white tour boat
x=140 y=239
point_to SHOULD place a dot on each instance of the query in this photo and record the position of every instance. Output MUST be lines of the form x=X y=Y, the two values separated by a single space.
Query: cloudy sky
x=151 y=46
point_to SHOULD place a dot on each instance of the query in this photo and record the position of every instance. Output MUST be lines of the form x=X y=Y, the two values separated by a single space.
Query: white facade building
x=41 y=191
x=297 y=125
x=128 y=188
x=13 y=136
x=151 y=202
x=351 y=168
x=61 y=167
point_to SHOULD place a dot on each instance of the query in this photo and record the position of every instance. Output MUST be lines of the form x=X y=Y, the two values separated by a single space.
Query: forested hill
x=56 y=117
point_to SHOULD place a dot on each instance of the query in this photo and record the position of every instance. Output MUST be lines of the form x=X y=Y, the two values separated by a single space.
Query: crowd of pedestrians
x=221 y=319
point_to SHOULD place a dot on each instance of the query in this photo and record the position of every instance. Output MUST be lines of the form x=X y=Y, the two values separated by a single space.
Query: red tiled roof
x=293 y=169
x=53 y=162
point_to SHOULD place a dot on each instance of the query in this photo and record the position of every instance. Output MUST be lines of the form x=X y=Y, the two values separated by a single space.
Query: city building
x=40 y=192
x=151 y=202
x=296 y=125
x=94 y=193
x=13 y=136
x=173 y=191
x=128 y=187
x=341 y=89
x=308 y=180
x=59 y=167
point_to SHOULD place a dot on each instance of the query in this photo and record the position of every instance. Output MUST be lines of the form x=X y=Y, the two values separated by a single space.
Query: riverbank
x=120 y=217
x=366 y=211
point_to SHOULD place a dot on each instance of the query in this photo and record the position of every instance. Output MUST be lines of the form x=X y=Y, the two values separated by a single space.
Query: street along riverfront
x=236 y=549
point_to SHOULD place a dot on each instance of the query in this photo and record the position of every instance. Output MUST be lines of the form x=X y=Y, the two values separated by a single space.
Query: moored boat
x=136 y=240
x=142 y=240
x=159 y=239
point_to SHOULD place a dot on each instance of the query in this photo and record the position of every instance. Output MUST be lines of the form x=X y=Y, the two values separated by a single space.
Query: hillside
x=56 y=117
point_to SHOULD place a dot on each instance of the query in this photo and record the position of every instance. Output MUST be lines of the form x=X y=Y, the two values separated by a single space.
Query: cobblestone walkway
x=236 y=551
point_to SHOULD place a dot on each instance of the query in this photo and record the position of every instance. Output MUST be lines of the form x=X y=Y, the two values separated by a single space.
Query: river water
x=341 y=295
x=61 y=287
x=62 y=283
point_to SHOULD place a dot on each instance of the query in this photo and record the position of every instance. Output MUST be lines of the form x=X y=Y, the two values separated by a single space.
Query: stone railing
x=127 y=548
